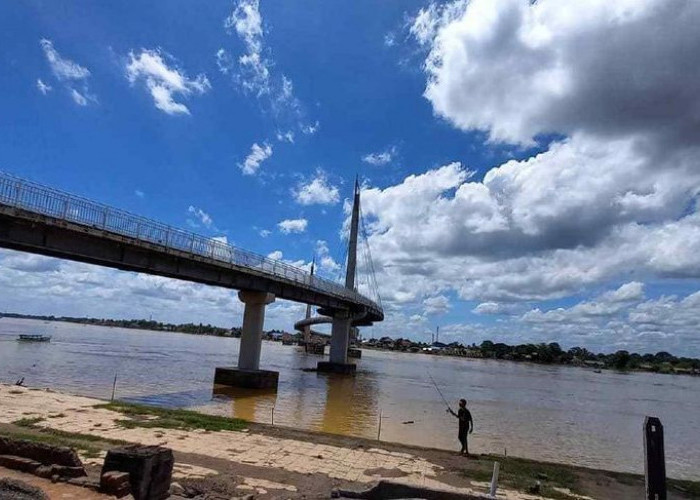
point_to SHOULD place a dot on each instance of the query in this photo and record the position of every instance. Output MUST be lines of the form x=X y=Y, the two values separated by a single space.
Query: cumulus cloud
x=380 y=158
x=317 y=191
x=436 y=305
x=164 y=81
x=257 y=155
x=289 y=226
x=72 y=75
x=326 y=262
x=516 y=69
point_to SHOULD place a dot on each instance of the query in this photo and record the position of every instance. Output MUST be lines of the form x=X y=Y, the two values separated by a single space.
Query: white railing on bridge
x=47 y=201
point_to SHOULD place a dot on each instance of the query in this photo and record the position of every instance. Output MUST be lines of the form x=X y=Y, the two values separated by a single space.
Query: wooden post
x=654 y=461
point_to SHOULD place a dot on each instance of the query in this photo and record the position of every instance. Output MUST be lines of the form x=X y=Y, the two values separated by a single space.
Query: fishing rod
x=440 y=393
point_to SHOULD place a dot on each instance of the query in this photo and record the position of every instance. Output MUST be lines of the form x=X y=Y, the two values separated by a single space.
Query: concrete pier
x=340 y=336
x=248 y=373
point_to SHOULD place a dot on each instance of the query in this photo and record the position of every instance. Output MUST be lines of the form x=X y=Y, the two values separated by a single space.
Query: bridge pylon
x=342 y=319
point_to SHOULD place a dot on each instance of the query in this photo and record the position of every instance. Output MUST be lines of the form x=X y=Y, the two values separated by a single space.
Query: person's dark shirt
x=464 y=417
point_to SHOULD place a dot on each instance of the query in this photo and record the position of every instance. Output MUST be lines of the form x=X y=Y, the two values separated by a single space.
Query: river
x=562 y=414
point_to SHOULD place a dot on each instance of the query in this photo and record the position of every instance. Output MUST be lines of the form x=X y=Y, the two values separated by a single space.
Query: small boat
x=34 y=338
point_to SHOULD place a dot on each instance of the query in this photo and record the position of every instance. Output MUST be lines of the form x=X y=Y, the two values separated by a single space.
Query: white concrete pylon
x=251 y=332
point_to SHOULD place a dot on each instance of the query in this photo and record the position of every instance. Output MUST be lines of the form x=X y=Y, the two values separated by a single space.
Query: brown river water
x=553 y=413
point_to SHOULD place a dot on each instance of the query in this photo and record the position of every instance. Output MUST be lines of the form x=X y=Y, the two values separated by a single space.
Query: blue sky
x=520 y=180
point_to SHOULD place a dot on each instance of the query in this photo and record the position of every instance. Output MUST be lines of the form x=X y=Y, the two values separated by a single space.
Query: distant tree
x=620 y=360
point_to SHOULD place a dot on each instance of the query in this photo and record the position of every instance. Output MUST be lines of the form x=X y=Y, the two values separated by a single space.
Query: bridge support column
x=340 y=339
x=248 y=373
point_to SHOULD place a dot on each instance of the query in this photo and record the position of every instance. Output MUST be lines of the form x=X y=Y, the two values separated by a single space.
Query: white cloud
x=380 y=158
x=43 y=87
x=325 y=260
x=140 y=193
x=201 y=216
x=287 y=136
x=78 y=98
x=221 y=239
x=316 y=191
x=493 y=308
x=264 y=233
x=164 y=82
x=276 y=255
x=605 y=306
x=257 y=155
x=63 y=69
x=288 y=226
x=310 y=128
x=70 y=73
x=517 y=68
x=436 y=305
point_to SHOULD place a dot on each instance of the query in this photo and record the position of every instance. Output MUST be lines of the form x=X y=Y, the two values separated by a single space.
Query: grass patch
x=87 y=445
x=57 y=415
x=154 y=417
x=15 y=391
x=28 y=422
x=692 y=488
x=522 y=475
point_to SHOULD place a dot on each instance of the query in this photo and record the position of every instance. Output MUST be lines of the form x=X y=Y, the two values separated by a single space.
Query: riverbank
x=279 y=462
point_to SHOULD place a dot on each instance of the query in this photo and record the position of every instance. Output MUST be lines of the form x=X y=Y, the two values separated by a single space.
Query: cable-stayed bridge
x=43 y=220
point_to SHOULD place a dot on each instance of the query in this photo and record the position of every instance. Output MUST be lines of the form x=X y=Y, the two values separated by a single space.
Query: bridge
x=40 y=219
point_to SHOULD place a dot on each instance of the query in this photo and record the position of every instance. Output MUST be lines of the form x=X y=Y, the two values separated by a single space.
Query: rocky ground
x=275 y=462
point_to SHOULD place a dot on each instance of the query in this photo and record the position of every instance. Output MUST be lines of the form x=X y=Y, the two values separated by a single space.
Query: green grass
x=521 y=475
x=690 y=487
x=28 y=422
x=143 y=416
x=58 y=415
x=84 y=443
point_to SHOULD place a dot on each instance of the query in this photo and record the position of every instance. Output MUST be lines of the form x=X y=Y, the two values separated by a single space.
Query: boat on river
x=34 y=338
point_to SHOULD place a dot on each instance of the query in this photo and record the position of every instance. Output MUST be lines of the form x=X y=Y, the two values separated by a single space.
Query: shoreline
x=292 y=454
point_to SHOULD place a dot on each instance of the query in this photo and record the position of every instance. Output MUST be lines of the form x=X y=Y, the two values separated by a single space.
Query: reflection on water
x=544 y=412
x=350 y=406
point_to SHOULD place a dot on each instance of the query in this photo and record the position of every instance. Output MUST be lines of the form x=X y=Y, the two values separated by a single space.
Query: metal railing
x=47 y=201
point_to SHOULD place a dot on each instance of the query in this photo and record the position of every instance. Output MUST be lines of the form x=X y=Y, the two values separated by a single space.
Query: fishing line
x=440 y=392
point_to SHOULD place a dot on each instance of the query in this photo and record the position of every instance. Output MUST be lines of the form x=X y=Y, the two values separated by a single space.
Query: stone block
x=115 y=483
x=40 y=452
x=150 y=469
x=19 y=463
x=251 y=379
x=66 y=471
x=340 y=368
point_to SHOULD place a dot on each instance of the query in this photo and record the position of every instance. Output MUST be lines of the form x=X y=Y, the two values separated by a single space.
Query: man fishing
x=466 y=425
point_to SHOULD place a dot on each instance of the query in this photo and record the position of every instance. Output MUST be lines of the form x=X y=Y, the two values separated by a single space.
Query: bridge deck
x=47 y=221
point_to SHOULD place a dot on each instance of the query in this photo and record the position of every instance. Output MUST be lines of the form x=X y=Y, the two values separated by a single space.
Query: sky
x=529 y=170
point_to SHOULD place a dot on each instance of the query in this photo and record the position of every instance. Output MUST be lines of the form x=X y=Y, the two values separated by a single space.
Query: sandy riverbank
x=277 y=462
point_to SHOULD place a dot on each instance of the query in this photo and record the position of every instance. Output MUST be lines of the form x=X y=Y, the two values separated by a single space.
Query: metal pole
x=114 y=385
x=273 y=415
x=654 y=460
